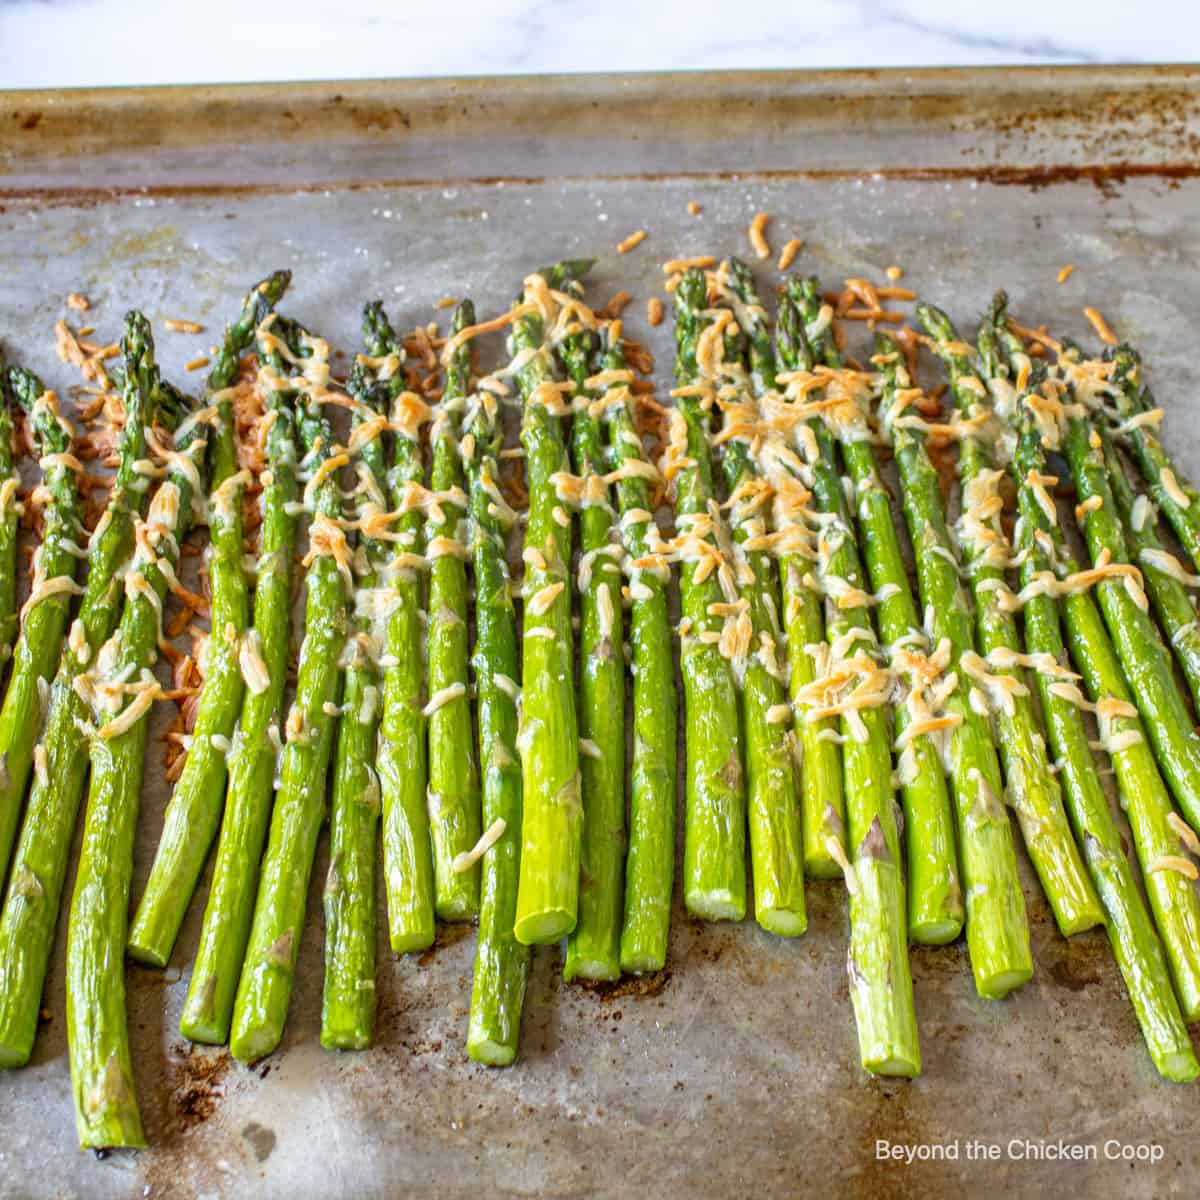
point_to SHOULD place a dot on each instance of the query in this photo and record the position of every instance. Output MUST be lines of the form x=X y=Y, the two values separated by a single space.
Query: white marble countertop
x=62 y=43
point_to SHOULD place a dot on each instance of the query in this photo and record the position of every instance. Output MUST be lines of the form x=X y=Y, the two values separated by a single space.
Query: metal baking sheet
x=736 y=1068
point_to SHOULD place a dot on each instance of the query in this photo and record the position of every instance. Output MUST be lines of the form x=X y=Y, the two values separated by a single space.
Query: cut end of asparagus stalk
x=411 y=938
x=207 y=1033
x=148 y=950
x=596 y=970
x=720 y=904
x=490 y=1053
x=781 y=921
x=642 y=961
x=545 y=927
x=935 y=932
x=255 y=1041
x=997 y=986
x=349 y=1038
x=14 y=1056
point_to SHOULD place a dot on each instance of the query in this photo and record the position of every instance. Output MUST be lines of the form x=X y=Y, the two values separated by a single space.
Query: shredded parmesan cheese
x=1187 y=835
x=539 y=604
x=468 y=858
x=789 y=252
x=1174 y=492
x=1178 y=864
x=758 y=235
x=1101 y=326
x=250 y=660
x=446 y=696
x=133 y=712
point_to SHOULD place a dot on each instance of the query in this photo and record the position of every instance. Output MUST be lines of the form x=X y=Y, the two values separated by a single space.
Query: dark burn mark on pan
x=1107 y=177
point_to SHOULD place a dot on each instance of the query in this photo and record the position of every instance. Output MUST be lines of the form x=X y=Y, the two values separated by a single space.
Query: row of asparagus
x=838 y=718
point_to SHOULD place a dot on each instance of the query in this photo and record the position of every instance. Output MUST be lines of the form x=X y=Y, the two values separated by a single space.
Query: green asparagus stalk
x=265 y=987
x=594 y=947
x=348 y=1009
x=40 y=862
x=122 y=688
x=650 y=862
x=1145 y=661
x=501 y=961
x=1032 y=790
x=776 y=854
x=997 y=928
x=454 y=812
x=9 y=513
x=880 y=979
x=1174 y=496
x=1156 y=839
x=208 y=1007
x=822 y=804
x=552 y=824
x=193 y=815
x=1161 y=571
x=44 y=617
x=1131 y=933
x=714 y=849
x=407 y=852
x=935 y=900
x=1169 y=599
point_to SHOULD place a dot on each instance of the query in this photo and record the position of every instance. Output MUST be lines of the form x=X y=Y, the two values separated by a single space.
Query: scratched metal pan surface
x=736 y=1068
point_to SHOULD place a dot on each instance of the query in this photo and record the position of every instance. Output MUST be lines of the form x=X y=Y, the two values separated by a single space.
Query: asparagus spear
x=208 y=1008
x=121 y=689
x=997 y=929
x=407 y=853
x=348 y=1009
x=265 y=987
x=44 y=617
x=714 y=849
x=1145 y=661
x=552 y=823
x=880 y=980
x=593 y=948
x=776 y=854
x=1175 y=497
x=650 y=862
x=935 y=903
x=501 y=961
x=1131 y=933
x=1169 y=599
x=822 y=804
x=1033 y=792
x=9 y=513
x=454 y=813
x=40 y=861
x=194 y=812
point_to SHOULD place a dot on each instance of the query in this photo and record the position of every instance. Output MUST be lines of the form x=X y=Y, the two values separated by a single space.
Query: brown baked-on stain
x=197 y=1083
x=1074 y=972
x=635 y=987
x=1107 y=177
x=449 y=933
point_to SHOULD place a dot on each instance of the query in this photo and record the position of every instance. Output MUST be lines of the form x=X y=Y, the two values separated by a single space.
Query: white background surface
x=60 y=43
